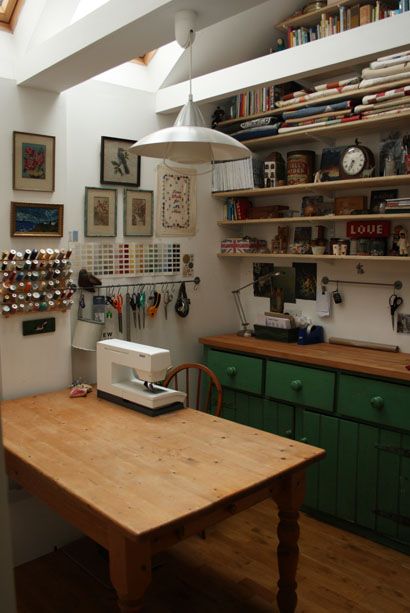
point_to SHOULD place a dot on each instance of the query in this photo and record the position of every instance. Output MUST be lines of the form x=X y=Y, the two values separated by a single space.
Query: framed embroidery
x=33 y=162
x=176 y=207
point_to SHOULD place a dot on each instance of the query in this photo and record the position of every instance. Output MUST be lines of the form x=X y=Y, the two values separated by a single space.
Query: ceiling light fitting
x=189 y=141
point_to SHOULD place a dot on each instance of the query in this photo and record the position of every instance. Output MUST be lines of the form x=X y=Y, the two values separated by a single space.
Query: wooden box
x=344 y=205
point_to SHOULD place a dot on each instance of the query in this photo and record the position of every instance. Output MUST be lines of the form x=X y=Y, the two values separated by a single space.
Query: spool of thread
x=42 y=254
x=19 y=255
x=49 y=254
x=12 y=254
x=33 y=254
x=27 y=254
x=6 y=310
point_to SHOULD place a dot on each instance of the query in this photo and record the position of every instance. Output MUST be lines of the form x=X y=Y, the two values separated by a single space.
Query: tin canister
x=300 y=166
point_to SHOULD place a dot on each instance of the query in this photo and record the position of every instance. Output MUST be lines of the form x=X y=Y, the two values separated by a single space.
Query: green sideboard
x=355 y=403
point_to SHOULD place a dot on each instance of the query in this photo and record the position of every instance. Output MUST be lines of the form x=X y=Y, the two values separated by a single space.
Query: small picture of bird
x=121 y=164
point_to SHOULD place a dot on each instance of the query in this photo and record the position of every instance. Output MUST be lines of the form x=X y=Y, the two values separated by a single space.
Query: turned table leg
x=289 y=496
x=130 y=571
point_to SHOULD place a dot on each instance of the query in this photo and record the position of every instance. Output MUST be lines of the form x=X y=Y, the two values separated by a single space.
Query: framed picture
x=176 y=206
x=138 y=207
x=100 y=212
x=33 y=162
x=36 y=219
x=379 y=196
x=118 y=167
x=329 y=163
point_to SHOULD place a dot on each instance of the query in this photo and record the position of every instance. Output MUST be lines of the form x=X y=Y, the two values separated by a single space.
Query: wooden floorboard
x=232 y=571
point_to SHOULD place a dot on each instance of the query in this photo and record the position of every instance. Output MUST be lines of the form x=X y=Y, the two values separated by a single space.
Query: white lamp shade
x=190 y=145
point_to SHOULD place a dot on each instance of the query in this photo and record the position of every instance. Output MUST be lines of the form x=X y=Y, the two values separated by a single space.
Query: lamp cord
x=190 y=63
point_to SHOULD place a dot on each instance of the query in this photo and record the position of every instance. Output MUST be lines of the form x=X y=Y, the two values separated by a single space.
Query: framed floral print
x=138 y=206
x=36 y=219
x=100 y=212
x=176 y=207
x=118 y=167
x=33 y=162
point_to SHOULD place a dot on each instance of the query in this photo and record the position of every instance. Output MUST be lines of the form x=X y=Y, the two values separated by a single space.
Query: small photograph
x=303 y=234
x=305 y=282
x=403 y=323
x=263 y=287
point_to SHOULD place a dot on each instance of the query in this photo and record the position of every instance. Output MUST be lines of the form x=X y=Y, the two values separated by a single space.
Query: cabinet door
x=404 y=499
x=278 y=418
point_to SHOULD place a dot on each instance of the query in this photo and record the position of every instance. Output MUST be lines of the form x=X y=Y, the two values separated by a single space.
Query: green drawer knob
x=231 y=371
x=296 y=385
x=288 y=433
x=303 y=440
x=377 y=402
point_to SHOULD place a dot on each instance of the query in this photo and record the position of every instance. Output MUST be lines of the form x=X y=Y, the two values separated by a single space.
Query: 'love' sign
x=368 y=229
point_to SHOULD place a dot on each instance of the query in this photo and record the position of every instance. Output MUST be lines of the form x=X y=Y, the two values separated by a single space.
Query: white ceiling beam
x=112 y=35
x=342 y=51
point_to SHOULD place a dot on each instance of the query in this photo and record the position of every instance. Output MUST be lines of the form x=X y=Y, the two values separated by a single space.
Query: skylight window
x=9 y=10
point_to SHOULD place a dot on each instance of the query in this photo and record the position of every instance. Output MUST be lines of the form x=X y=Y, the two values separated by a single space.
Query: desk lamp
x=245 y=325
x=189 y=141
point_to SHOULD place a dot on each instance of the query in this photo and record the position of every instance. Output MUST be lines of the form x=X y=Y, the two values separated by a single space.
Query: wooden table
x=137 y=484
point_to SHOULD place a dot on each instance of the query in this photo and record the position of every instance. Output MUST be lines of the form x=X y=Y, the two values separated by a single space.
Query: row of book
x=236 y=209
x=239 y=174
x=397 y=205
x=346 y=19
x=252 y=102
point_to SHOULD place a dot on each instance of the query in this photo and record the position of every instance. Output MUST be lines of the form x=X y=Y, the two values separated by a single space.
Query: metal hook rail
x=396 y=285
x=195 y=280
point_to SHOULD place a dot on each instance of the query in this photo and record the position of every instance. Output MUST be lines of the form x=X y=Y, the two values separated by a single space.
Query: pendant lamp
x=189 y=141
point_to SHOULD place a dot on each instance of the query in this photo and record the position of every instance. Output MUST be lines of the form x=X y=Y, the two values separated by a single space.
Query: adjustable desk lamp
x=245 y=325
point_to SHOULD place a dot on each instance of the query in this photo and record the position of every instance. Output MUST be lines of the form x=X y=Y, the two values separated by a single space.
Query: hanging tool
x=142 y=307
x=152 y=310
x=128 y=316
x=117 y=302
x=134 y=302
x=168 y=297
x=182 y=303
x=394 y=303
x=81 y=305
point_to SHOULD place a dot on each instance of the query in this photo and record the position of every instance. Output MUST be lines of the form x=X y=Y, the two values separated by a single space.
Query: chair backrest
x=202 y=386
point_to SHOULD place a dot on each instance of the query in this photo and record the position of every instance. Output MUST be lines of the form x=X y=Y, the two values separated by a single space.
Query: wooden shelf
x=313 y=18
x=313 y=219
x=353 y=93
x=293 y=256
x=327 y=186
x=330 y=132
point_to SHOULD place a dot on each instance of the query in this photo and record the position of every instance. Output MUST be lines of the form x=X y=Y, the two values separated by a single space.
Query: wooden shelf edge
x=313 y=219
x=328 y=186
x=309 y=256
x=311 y=18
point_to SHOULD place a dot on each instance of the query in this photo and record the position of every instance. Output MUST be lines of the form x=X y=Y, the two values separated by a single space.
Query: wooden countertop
x=354 y=359
x=136 y=472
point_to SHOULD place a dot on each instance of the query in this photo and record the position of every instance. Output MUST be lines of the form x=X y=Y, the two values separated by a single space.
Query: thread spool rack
x=35 y=280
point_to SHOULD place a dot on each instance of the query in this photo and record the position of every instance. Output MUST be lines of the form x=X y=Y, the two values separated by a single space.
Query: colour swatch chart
x=127 y=259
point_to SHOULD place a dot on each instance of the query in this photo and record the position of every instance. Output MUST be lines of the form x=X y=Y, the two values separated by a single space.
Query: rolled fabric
x=369 y=73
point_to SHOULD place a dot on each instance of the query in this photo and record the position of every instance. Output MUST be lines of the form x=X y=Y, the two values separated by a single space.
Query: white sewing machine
x=117 y=364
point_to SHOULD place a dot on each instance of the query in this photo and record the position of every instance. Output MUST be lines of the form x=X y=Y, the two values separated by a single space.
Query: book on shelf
x=238 y=174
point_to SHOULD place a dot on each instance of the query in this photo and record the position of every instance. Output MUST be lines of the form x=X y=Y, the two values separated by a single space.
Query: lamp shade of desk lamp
x=189 y=141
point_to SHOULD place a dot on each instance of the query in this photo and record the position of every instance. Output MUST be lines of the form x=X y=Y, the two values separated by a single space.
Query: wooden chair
x=208 y=397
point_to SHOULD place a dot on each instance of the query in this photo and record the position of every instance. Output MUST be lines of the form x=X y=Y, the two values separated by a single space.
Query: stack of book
x=398 y=205
x=253 y=102
x=239 y=174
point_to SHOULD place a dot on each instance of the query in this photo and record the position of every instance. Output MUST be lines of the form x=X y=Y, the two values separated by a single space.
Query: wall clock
x=356 y=161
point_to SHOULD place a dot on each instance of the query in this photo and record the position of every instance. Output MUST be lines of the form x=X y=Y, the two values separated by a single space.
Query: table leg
x=130 y=571
x=289 y=496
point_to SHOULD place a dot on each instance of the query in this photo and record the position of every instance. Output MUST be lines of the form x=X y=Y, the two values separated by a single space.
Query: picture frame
x=138 y=212
x=100 y=212
x=117 y=166
x=379 y=196
x=33 y=162
x=176 y=202
x=34 y=219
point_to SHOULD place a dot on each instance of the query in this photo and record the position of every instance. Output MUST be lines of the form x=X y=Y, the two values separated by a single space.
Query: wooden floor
x=232 y=571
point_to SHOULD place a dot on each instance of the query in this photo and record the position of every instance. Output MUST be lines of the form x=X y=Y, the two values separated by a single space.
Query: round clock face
x=353 y=161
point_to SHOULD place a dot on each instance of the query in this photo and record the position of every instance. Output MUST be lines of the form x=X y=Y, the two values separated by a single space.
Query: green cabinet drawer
x=380 y=402
x=237 y=371
x=300 y=385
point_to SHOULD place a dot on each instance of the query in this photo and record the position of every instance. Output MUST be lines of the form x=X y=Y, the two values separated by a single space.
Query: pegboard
x=127 y=259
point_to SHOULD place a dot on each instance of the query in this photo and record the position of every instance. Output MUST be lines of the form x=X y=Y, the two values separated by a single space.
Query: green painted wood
x=327 y=492
x=278 y=418
x=307 y=426
x=388 y=483
x=404 y=500
x=359 y=397
x=300 y=385
x=228 y=404
x=242 y=408
x=347 y=470
x=367 y=455
x=237 y=371
x=270 y=416
x=256 y=409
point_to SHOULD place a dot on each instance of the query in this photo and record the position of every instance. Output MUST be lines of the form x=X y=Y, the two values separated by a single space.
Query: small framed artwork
x=100 y=212
x=138 y=207
x=33 y=162
x=379 y=197
x=118 y=167
x=36 y=219
x=176 y=202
